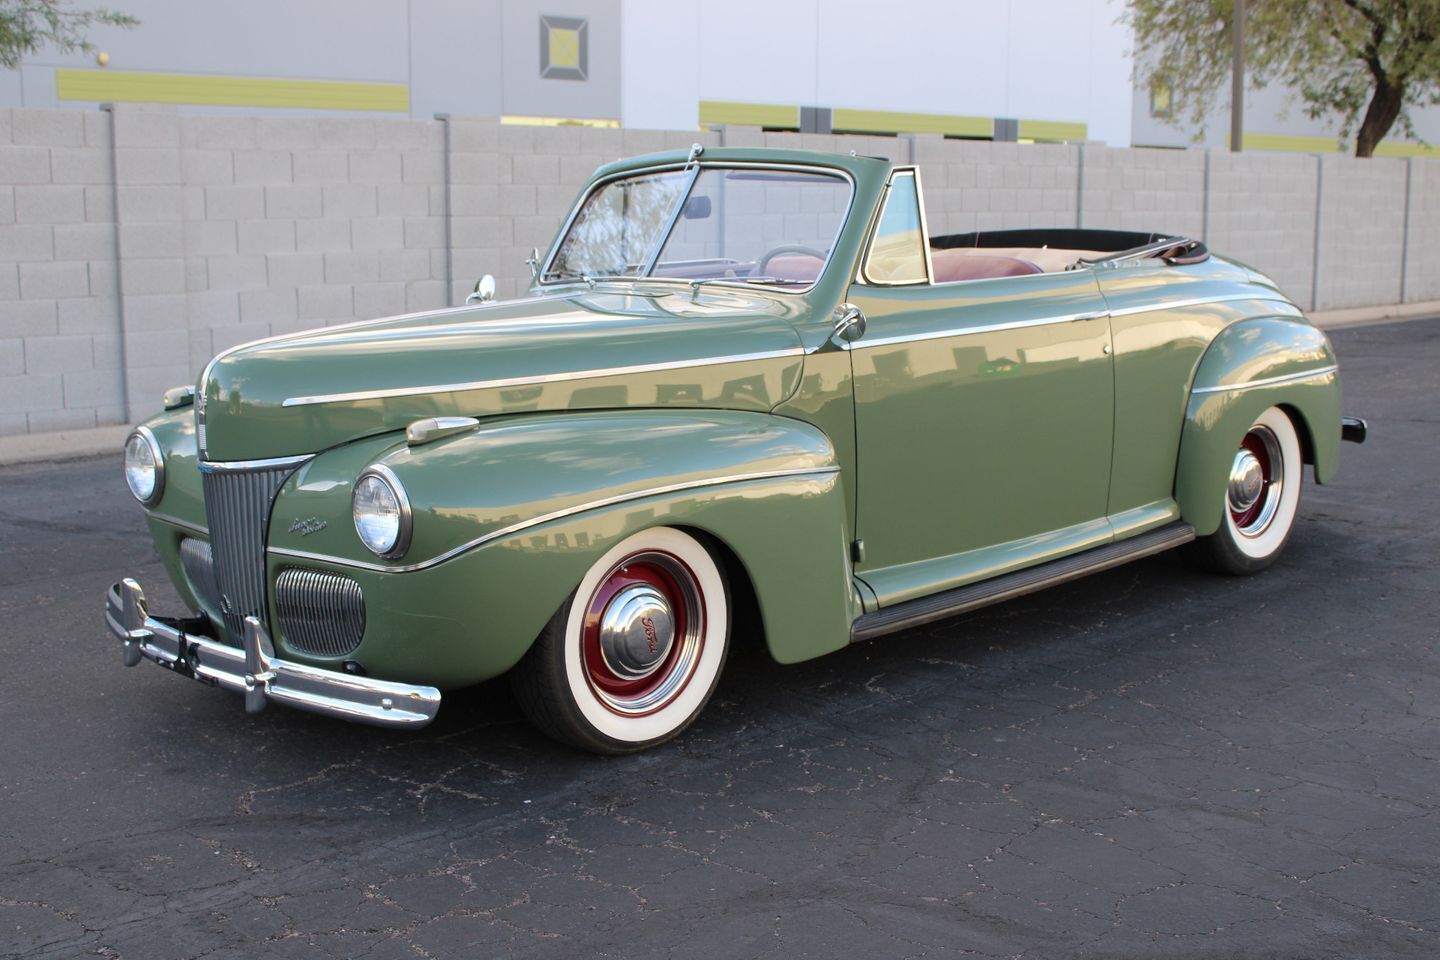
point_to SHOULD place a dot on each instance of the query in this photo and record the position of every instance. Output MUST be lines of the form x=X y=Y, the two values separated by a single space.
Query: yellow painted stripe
x=558 y=121
x=1053 y=130
x=1289 y=143
x=885 y=121
x=748 y=114
x=1397 y=148
x=218 y=90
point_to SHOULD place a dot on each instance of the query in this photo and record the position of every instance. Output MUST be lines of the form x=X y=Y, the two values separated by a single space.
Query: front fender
x=508 y=517
x=1251 y=366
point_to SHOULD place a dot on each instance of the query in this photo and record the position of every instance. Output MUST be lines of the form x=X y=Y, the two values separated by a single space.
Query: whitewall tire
x=1260 y=499
x=632 y=657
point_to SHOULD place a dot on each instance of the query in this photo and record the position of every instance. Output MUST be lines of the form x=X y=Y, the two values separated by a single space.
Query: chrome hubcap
x=636 y=631
x=643 y=633
x=1256 y=485
x=1247 y=481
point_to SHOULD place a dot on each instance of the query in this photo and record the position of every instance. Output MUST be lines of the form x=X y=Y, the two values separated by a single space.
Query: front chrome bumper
x=256 y=672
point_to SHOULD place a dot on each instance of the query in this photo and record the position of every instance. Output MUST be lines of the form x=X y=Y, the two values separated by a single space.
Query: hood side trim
x=538 y=378
x=523 y=525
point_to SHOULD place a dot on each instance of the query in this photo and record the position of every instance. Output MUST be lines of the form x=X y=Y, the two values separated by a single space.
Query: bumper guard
x=256 y=672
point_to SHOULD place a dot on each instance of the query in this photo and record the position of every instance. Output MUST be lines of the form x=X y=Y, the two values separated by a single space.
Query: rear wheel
x=1260 y=499
x=632 y=657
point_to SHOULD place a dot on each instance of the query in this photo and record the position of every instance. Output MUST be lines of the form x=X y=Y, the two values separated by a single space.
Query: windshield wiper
x=695 y=285
x=587 y=278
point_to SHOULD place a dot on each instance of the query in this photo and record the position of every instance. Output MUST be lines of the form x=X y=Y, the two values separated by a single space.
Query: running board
x=913 y=613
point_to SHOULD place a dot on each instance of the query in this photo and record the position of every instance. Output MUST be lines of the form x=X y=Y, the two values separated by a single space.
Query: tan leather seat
x=794 y=266
x=965 y=264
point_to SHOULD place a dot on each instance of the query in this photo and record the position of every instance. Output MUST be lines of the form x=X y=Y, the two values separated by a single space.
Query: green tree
x=27 y=25
x=1368 y=62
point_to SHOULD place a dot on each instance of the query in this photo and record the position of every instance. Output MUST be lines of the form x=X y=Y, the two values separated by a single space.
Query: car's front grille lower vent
x=199 y=567
x=321 y=613
x=237 y=504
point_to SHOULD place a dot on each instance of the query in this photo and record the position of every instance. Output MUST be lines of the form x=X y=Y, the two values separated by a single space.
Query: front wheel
x=1260 y=499
x=632 y=657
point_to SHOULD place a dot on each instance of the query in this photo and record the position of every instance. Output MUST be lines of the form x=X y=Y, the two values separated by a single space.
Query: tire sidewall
x=634 y=732
x=1256 y=552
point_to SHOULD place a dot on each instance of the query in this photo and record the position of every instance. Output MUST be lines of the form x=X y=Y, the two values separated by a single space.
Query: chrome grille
x=237 y=504
x=320 y=612
x=199 y=567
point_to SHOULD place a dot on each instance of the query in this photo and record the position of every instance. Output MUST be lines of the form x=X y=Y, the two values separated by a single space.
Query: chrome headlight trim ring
x=402 y=536
x=145 y=434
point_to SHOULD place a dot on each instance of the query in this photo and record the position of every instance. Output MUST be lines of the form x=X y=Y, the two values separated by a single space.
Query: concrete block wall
x=233 y=228
x=1144 y=190
x=1002 y=186
x=1362 y=223
x=1422 y=262
x=1262 y=213
x=59 y=348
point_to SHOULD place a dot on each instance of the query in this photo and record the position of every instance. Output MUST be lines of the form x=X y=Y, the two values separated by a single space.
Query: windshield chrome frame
x=839 y=173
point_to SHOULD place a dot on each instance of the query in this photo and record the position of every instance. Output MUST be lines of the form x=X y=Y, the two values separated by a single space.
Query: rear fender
x=1251 y=366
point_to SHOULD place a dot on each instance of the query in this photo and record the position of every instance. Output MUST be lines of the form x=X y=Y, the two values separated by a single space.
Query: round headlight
x=381 y=513
x=144 y=466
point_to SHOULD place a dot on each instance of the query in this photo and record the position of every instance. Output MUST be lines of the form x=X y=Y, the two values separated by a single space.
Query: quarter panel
x=1231 y=392
x=1157 y=356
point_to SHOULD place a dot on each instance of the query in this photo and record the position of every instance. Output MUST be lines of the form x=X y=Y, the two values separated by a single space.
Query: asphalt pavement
x=1151 y=762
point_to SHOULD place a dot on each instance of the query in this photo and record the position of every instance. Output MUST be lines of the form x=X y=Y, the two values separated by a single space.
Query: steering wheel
x=762 y=266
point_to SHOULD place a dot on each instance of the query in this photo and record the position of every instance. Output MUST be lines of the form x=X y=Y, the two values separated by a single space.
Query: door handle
x=849 y=324
x=1079 y=317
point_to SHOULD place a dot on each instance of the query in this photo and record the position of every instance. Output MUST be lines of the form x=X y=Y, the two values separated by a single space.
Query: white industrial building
x=1016 y=69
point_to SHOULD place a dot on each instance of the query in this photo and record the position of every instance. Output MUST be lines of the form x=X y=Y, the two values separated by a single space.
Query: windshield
x=748 y=225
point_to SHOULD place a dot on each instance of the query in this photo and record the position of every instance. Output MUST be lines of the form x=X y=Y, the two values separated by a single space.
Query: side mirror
x=484 y=290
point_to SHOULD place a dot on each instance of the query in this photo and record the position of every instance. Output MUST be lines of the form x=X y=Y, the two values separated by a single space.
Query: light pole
x=1237 y=79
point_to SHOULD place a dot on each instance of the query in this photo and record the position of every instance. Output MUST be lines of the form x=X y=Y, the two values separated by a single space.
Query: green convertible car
x=748 y=394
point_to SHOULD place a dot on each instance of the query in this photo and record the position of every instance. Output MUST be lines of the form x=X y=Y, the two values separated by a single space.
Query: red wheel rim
x=1252 y=510
x=651 y=591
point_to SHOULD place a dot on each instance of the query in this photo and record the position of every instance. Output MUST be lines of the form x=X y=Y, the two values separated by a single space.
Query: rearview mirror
x=484 y=290
x=696 y=208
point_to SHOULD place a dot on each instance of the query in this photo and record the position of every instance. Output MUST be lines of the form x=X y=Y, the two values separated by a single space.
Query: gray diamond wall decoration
x=564 y=48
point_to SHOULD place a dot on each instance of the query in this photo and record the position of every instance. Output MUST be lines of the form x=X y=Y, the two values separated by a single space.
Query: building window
x=1161 y=101
x=564 y=48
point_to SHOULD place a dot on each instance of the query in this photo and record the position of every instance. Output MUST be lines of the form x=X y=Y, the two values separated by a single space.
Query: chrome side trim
x=937 y=606
x=182 y=524
x=1198 y=301
x=247 y=466
x=984 y=328
x=515 y=528
x=539 y=378
x=204 y=382
x=1062 y=318
x=1271 y=381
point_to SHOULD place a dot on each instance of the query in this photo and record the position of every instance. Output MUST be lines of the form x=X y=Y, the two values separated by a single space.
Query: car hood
x=606 y=347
